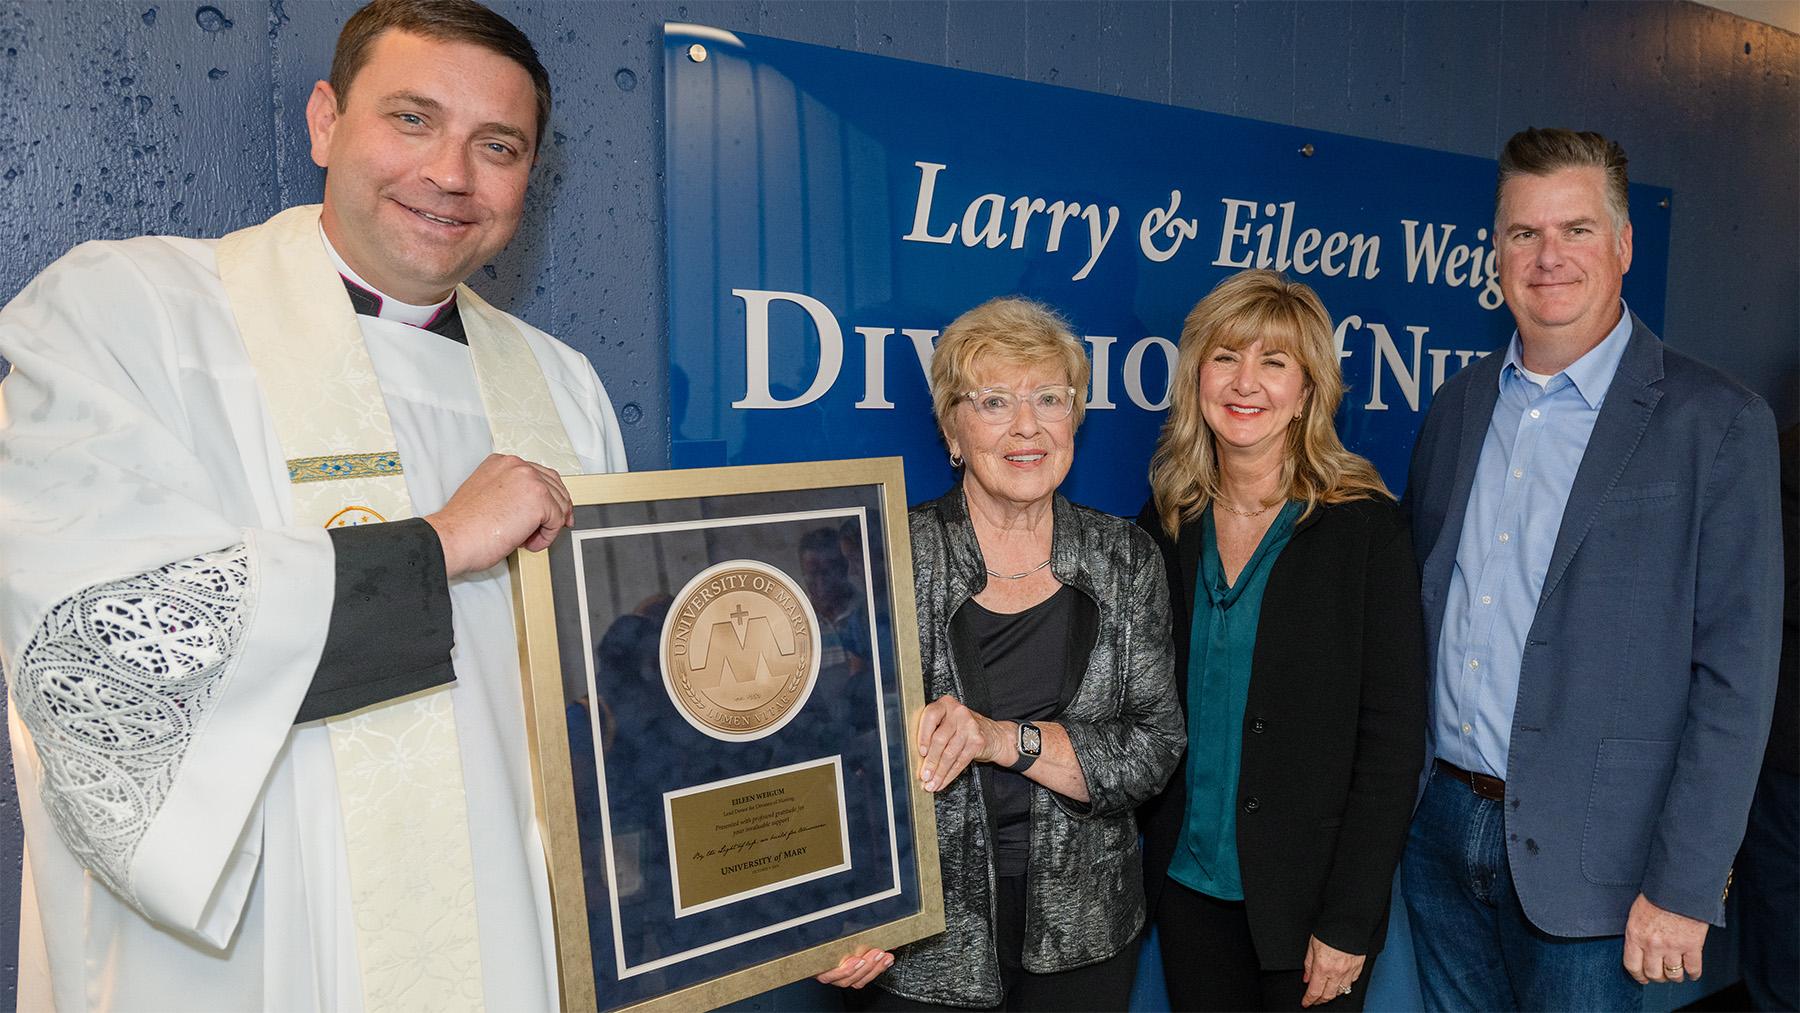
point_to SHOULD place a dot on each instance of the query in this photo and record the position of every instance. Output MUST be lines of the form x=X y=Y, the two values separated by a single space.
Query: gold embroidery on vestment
x=335 y=466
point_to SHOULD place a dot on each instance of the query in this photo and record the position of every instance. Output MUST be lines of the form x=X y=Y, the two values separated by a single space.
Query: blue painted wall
x=153 y=116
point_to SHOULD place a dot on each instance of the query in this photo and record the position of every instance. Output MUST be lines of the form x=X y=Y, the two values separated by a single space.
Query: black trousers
x=1102 y=986
x=1210 y=962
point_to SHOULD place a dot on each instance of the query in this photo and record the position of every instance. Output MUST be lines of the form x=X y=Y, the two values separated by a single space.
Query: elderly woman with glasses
x=1043 y=633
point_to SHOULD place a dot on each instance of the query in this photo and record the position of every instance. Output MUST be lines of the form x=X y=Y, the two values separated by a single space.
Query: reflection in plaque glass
x=719 y=668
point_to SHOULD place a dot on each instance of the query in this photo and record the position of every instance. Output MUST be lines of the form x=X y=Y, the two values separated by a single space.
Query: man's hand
x=951 y=736
x=1328 y=972
x=1661 y=945
x=507 y=503
x=858 y=969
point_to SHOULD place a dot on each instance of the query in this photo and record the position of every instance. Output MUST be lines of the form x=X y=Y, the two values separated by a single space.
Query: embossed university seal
x=740 y=650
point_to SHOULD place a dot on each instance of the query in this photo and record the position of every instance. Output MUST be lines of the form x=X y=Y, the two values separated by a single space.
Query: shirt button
x=1505 y=537
x=1474 y=663
x=1257 y=726
x=1535 y=413
x=1252 y=804
x=1487 y=599
x=1467 y=728
x=1518 y=472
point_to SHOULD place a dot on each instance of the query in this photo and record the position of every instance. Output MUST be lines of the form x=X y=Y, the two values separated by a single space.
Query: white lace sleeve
x=113 y=685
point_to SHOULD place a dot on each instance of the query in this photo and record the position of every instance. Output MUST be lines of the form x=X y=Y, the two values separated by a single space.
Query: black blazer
x=1334 y=730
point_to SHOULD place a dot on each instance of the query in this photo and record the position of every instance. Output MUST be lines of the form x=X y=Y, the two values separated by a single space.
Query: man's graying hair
x=1538 y=151
x=441 y=21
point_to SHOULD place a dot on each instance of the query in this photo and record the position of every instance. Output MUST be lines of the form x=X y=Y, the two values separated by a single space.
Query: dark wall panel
x=1377 y=73
x=152 y=116
x=1451 y=73
x=985 y=37
x=1062 y=43
x=1133 y=50
x=1202 y=58
x=1262 y=49
x=1321 y=55
x=908 y=30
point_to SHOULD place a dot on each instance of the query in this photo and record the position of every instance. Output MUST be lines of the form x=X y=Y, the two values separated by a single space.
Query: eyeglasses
x=1000 y=404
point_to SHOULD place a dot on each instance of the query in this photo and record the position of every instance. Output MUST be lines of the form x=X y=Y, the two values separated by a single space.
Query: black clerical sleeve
x=390 y=619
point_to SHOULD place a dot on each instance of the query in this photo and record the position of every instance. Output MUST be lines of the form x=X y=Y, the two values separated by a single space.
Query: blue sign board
x=830 y=212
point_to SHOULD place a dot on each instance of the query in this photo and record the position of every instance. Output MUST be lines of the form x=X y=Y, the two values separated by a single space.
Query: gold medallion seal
x=740 y=650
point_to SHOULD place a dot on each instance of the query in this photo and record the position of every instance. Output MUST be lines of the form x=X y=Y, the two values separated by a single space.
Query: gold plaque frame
x=541 y=657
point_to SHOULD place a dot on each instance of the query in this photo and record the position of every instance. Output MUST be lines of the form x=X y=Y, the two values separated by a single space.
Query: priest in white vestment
x=256 y=496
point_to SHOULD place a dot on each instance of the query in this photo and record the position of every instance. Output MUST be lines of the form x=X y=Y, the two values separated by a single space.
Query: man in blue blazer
x=1597 y=518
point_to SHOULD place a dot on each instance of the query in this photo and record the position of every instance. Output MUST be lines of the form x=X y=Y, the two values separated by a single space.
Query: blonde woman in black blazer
x=1333 y=717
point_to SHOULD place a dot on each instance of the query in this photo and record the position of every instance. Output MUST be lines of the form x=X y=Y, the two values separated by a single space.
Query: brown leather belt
x=1483 y=785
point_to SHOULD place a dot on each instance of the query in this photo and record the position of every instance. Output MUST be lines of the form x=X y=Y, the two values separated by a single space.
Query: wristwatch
x=1031 y=745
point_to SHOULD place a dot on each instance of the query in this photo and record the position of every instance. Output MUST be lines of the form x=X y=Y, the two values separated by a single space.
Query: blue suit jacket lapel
x=1623 y=417
x=1477 y=411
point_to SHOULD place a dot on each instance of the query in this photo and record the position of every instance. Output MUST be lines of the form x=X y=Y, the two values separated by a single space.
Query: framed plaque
x=720 y=666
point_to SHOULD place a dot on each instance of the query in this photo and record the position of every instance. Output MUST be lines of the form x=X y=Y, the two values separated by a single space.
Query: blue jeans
x=1475 y=948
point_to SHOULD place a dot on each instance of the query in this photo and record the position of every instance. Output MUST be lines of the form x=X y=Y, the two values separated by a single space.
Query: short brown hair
x=444 y=21
x=1540 y=151
x=1012 y=330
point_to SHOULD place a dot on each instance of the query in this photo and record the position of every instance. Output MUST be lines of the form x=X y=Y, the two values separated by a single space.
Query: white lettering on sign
x=1099 y=395
x=1134 y=373
x=1401 y=366
x=984 y=221
x=1254 y=232
x=756 y=348
x=1277 y=247
x=875 y=361
x=1173 y=230
x=1398 y=365
x=1429 y=249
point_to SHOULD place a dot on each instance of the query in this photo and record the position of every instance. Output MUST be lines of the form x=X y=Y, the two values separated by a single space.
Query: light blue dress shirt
x=1534 y=445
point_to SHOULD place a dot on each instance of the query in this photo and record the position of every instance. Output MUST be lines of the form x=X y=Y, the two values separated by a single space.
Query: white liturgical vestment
x=161 y=616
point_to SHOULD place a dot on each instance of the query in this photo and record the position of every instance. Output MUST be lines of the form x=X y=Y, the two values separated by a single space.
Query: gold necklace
x=1242 y=513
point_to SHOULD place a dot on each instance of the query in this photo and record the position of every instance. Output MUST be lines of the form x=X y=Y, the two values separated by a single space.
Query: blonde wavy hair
x=1010 y=330
x=1286 y=316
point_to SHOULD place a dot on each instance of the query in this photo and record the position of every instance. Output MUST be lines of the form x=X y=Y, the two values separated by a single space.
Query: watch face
x=1031 y=741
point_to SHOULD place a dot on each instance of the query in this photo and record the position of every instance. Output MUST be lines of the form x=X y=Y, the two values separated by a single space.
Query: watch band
x=1022 y=764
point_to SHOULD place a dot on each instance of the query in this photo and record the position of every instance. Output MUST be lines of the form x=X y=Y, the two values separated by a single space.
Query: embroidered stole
x=399 y=771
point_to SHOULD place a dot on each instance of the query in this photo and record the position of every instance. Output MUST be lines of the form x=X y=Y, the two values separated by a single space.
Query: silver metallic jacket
x=1084 y=884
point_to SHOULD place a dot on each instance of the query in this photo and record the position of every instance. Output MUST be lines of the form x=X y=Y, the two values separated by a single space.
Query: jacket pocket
x=1636 y=493
x=1631 y=778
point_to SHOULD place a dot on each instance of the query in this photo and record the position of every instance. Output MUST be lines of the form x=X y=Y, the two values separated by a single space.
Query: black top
x=1333 y=736
x=1022 y=657
x=447 y=322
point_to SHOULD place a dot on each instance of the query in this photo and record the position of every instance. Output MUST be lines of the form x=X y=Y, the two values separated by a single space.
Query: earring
x=955 y=459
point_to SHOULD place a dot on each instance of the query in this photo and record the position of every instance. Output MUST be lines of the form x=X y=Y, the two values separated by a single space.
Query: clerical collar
x=440 y=318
